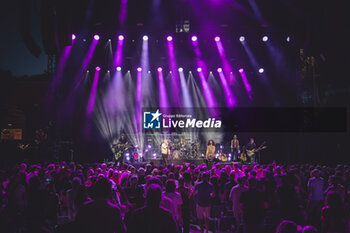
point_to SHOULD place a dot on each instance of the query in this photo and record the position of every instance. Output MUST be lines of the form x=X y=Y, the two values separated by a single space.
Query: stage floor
x=191 y=161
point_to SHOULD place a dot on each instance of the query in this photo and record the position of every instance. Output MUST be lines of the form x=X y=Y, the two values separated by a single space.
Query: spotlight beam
x=175 y=90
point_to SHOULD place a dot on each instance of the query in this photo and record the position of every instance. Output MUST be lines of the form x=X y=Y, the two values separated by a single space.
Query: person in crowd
x=185 y=193
x=99 y=214
x=335 y=186
x=165 y=202
x=278 y=176
x=75 y=198
x=253 y=205
x=152 y=218
x=175 y=197
x=288 y=199
x=229 y=185
x=205 y=192
x=315 y=187
x=134 y=192
x=234 y=196
x=333 y=216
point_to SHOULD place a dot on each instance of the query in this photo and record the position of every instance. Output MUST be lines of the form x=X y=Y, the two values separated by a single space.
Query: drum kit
x=184 y=150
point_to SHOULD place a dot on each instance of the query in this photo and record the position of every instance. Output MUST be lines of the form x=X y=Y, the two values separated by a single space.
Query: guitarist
x=251 y=146
x=122 y=146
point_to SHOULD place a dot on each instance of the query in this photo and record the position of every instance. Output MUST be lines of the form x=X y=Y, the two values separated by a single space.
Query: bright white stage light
x=120 y=37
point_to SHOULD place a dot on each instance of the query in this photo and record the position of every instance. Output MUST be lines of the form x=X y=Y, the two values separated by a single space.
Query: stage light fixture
x=139 y=69
x=73 y=37
x=96 y=37
x=120 y=37
x=98 y=68
x=181 y=69
x=194 y=38
x=261 y=70
x=219 y=70
x=240 y=70
x=169 y=38
x=119 y=68
x=241 y=38
x=160 y=69
x=288 y=39
x=265 y=38
x=199 y=69
x=217 y=38
x=145 y=37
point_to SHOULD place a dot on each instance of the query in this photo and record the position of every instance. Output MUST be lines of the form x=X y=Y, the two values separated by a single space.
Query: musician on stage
x=210 y=153
x=251 y=146
x=120 y=148
x=165 y=151
x=235 y=147
x=118 y=152
x=122 y=140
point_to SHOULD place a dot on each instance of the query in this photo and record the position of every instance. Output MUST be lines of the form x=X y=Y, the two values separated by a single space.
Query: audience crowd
x=109 y=197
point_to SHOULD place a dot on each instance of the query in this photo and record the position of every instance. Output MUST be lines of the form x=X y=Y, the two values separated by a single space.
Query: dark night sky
x=14 y=55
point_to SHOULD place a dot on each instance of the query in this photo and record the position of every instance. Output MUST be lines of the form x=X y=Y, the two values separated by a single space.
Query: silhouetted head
x=287 y=226
x=153 y=196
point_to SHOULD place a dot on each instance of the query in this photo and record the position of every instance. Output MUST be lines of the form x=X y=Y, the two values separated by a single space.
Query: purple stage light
x=73 y=37
x=119 y=68
x=98 y=68
x=219 y=70
x=217 y=38
x=145 y=37
x=265 y=38
x=240 y=70
x=194 y=38
x=139 y=69
x=241 y=38
x=288 y=39
x=169 y=38
x=199 y=69
x=261 y=70
x=180 y=69
x=120 y=37
x=96 y=37
x=160 y=69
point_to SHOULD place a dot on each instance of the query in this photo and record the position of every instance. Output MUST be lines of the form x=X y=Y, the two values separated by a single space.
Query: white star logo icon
x=156 y=115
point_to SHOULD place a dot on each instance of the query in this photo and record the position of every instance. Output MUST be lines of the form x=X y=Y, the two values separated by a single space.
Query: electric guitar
x=121 y=152
x=252 y=152
x=243 y=157
x=223 y=157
